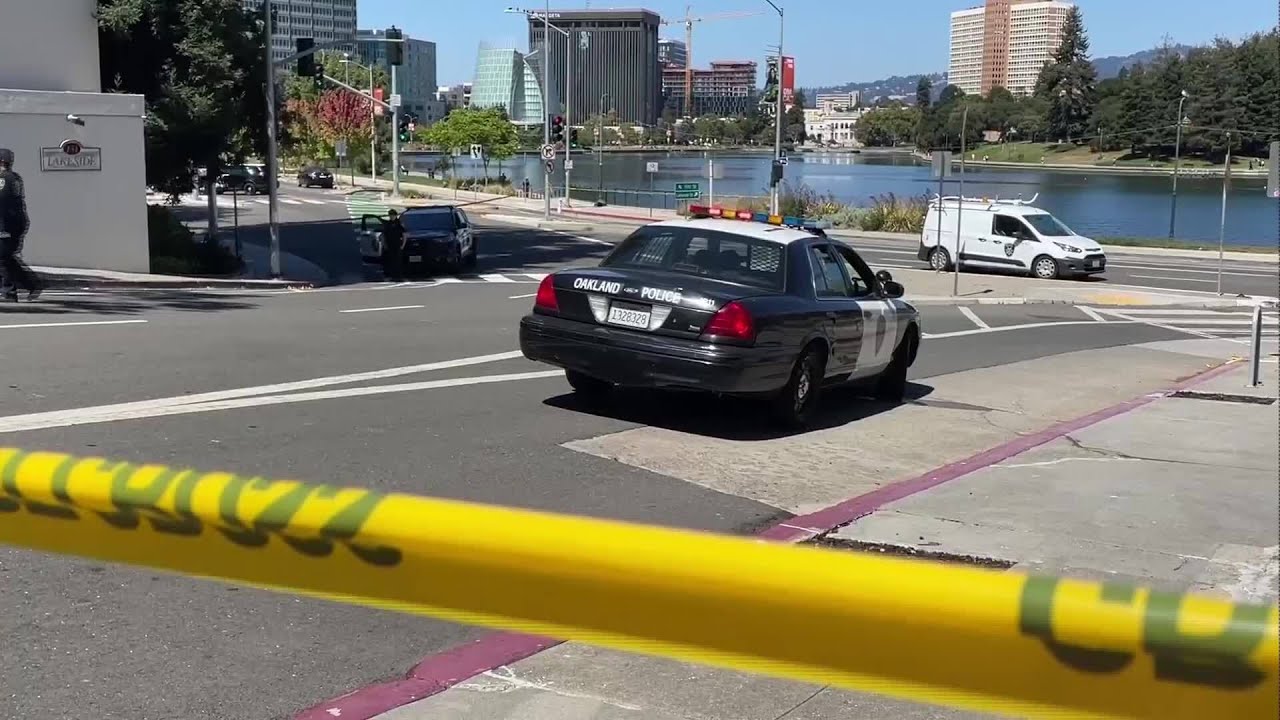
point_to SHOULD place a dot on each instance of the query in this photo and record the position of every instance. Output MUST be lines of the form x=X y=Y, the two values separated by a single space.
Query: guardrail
x=971 y=638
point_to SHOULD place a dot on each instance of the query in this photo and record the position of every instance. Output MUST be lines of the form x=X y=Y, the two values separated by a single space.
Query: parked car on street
x=246 y=179
x=315 y=176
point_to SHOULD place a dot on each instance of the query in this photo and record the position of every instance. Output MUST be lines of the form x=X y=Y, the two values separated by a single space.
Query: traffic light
x=557 y=129
x=395 y=48
x=573 y=137
x=306 y=63
x=319 y=76
x=775 y=175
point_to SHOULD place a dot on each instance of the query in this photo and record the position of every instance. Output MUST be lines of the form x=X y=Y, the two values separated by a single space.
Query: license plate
x=415 y=258
x=1095 y=263
x=627 y=317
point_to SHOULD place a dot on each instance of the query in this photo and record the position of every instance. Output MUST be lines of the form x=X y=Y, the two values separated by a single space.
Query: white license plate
x=1095 y=263
x=629 y=318
x=415 y=258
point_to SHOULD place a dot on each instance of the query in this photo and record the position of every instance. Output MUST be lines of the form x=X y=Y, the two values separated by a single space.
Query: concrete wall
x=49 y=45
x=84 y=219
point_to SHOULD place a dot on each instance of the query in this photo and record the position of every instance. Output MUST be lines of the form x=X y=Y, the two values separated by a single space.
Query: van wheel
x=939 y=260
x=1045 y=267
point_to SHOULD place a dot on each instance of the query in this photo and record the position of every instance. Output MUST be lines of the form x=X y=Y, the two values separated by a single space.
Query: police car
x=729 y=302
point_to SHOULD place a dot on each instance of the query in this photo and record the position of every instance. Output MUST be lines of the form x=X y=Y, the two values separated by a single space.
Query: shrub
x=887 y=213
x=176 y=251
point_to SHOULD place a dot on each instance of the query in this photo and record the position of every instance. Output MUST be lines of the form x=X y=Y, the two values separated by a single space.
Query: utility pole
x=546 y=111
x=1177 y=158
x=395 y=139
x=273 y=213
x=568 y=115
x=955 y=276
x=777 y=115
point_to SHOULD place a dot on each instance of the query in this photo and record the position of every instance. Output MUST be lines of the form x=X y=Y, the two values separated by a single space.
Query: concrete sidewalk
x=1174 y=492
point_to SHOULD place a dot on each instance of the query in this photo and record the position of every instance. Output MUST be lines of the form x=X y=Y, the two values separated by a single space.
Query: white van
x=1006 y=234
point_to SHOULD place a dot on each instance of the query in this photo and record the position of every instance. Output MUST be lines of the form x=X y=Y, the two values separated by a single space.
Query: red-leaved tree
x=343 y=115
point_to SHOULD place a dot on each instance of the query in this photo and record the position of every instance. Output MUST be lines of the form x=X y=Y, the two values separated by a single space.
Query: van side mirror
x=893 y=289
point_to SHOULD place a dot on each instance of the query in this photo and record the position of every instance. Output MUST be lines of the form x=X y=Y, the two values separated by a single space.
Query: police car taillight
x=546 y=297
x=732 y=322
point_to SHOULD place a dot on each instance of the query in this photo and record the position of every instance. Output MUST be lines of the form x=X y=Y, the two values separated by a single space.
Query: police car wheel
x=939 y=260
x=588 y=387
x=796 y=403
x=891 y=385
x=1045 y=267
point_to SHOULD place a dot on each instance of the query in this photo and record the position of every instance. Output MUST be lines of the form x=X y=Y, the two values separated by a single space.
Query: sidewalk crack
x=802 y=703
x=1118 y=455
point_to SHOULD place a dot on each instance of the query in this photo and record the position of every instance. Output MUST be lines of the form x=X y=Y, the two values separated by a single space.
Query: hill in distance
x=905 y=85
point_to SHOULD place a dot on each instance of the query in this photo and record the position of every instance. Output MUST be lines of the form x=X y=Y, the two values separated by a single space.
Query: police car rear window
x=709 y=254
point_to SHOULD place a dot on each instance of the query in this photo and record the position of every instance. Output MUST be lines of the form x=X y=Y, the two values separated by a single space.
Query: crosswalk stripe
x=535 y=276
x=309 y=201
x=288 y=201
x=496 y=278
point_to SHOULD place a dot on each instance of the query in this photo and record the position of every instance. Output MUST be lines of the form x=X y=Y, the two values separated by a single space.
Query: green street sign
x=688 y=191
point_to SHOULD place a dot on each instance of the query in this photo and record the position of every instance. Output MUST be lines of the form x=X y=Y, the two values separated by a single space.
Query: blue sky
x=833 y=41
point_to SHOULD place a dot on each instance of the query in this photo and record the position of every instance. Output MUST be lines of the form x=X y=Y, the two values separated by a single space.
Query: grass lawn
x=1182 y=244
x=1069 y=154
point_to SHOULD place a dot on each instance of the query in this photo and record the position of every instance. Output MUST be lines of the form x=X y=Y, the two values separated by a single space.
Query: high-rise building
x=672 y=54
x=415 y=77
x=1004 y=43
x=324 y=20
x=837 y=102
x=454 y=96
x=615 y=63
x=727 y=89
x=507 y=79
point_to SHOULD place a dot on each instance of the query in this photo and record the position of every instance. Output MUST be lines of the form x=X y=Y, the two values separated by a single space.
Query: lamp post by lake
x=1177 y=156
x=777 y=113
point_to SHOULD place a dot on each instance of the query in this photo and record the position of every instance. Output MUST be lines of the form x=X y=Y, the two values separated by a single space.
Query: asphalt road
x=80 y=634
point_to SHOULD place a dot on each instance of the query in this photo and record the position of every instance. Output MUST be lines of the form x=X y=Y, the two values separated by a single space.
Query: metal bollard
x=1255 y=360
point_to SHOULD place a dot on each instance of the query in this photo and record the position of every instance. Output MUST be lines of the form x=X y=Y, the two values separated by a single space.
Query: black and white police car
x=728 y=302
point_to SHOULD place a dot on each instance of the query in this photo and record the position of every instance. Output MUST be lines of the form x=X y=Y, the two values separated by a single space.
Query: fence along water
x=965 y=637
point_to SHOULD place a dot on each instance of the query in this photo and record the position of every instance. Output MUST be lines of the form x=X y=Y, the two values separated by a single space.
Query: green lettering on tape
x=1220 y=659
x=1035 y=617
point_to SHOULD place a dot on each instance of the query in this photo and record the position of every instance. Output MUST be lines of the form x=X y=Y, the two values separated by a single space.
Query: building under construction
x=727 y=89
x=615 y=63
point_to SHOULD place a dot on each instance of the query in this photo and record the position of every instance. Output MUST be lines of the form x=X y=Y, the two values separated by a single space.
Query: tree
x=342 y=115
x=886 y=127
x=1069 y=81
x=924 y=89
x=488 y=128
x=200 y=65
x=628 y=135
x=793 y=128
x=950 y=94
x=708 y=128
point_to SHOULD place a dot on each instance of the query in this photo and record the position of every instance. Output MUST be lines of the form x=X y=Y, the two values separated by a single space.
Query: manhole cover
x=1224 y=397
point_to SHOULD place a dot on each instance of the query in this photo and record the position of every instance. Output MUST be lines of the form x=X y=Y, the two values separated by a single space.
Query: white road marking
x=309 y=201
x=973 y=317
x=494 y=278
x=1214 y=271
x=60 y=418
x=287 y=201
x=1097 y=316
x=521 y=297
x=536 y=276
x=597 y=241
x=71 y=324
x=262 y=201
x=1028 y=326
x=260 y=400
x=380 y=309
x=1173 y=279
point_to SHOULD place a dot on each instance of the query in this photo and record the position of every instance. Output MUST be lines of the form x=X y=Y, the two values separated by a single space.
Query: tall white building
x=324 y=20
x=415 y=77
x=1004 y=43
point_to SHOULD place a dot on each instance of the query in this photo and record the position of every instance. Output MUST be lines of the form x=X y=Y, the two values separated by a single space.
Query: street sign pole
x=955 y=275
x=546 y=109
x=711 y=180
x=652 y=169
x=1222 y=222
x=395 y=139
x=941 y=171
x=273 y=214
x=1273 y=171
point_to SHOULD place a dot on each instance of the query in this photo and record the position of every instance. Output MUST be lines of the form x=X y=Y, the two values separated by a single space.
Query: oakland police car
x=728 y=302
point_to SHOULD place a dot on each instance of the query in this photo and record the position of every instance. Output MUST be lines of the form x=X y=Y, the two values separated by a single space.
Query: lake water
x=1091 y=204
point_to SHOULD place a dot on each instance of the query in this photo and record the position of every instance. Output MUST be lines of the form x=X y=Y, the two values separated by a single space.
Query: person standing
x=14 y=224
x=393 y=247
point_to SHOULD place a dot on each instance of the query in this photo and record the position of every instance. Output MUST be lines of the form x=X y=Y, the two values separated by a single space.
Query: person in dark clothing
x=393 y=247
x=14 y=224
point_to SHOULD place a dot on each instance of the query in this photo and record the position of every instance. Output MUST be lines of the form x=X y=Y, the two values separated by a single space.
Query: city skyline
x=828 y=41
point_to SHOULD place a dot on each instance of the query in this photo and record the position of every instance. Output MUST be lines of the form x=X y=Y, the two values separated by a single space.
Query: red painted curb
x=438 y=673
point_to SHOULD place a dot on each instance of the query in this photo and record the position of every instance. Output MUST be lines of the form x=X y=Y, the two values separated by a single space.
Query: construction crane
x=688 y=20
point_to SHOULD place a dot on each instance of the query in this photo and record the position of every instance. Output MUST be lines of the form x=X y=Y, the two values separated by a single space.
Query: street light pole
x=546 y=112
x=1177 y=156
x=599 y=150
x=568 y=116
x=273 y=214
x=395 y=140
x=777 y=113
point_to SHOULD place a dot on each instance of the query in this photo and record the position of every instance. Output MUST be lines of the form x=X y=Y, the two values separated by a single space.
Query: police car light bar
x=704 y=211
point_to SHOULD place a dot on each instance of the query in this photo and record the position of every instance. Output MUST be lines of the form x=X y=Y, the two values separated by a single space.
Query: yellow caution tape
x=972 y=638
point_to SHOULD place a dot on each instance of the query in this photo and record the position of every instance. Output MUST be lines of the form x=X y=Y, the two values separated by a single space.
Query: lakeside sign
x=70 y=156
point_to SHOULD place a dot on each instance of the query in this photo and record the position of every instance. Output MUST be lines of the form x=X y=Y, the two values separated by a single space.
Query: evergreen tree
x=1069 y=81
x=924 y=89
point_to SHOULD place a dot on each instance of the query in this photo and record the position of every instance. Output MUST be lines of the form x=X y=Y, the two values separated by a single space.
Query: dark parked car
x=246 y=179
x=315 y=176
x=729 y=307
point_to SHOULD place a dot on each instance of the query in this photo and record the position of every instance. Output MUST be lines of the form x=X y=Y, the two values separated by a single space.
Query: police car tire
x=807 y=373
x=586 y=386
x=469 y=260
x=891 y=385
x=935 y=263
